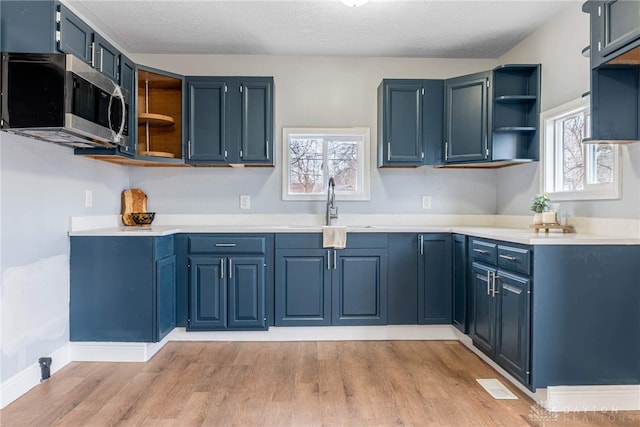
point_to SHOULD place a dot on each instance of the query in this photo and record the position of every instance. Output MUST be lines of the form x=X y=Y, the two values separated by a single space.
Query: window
x=572 y=170
x=312 y=156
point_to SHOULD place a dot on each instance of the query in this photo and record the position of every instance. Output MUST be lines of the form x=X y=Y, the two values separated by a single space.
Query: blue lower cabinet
x=513 y=324
x=402 y=278
x=360 y=287
x=227 y=292
x=434 y=279
x=303 y=291
x=459 y=280
x=122 y=289
x=316 y=286
x=484 y=308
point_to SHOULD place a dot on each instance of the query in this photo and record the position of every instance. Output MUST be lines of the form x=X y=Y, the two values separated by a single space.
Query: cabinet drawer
x=484 y=251
x=226 y=244
x=164 y=247
x=516 y=259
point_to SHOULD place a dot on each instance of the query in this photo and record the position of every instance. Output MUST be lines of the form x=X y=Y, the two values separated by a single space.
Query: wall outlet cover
x=245 y=201
x=426 y=202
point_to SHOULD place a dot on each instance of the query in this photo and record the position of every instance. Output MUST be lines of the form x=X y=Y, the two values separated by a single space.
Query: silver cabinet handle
x=388 y=151
x=225 y=245
x=421 y=244
x=508 y=258
x=93 y=54
x=267 y=149
x=101 y=58
x=189 y=150
x=446 y=151
x=488 y=282
x=480 y=251
x=230 y=269
x=222 y=268
x=329 y=260
x=335 y=260
x=494 y=291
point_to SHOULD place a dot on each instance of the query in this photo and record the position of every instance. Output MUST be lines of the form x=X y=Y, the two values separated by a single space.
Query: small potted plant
x=540 y=204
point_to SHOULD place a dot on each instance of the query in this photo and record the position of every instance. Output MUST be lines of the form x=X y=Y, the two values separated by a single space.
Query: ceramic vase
x=537 y=218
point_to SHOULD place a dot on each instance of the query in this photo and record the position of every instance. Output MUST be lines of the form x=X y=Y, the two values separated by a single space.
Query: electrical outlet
x=88 y=198
x=245 y=201
x=426 y=202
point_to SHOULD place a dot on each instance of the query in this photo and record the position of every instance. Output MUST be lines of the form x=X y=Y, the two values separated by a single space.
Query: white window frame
x=364 y=163
x=551 y=159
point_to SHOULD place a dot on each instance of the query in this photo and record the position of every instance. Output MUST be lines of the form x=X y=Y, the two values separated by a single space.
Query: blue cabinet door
x=246 y=292
x=484 y=313
x=207 y=111
x=128 y=82
x=359 y=287
x=76 y=37
x=256 y=120
x=402 y=120
x=434 y=290
x=402 y=286
x=303 y=288
x=615 y=30
x=166 y=295
x=513 y=325
x=106 y=58
x=466 y=118
x=207 y=293
x=460 y=294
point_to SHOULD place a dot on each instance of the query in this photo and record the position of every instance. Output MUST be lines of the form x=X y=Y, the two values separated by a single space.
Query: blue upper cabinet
x=256 y=120
x=615 y=75
x=230 y=120
x=207 y=110
x=491 y=118
x=615 y=31
x=128 y=82
x=466 y=118
x=105 y=57
x=409 y=122
x=48 y=26
x=74 y=36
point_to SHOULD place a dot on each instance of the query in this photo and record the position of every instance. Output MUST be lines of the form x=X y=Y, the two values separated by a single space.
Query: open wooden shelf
x=156 y=119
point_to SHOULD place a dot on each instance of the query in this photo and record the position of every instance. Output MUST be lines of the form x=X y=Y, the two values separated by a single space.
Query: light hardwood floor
x=346 y=383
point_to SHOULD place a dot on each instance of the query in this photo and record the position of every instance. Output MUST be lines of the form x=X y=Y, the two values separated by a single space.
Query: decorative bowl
x=143 y=218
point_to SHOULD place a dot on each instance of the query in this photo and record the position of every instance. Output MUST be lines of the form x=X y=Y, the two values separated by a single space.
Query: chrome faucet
x=332 y=209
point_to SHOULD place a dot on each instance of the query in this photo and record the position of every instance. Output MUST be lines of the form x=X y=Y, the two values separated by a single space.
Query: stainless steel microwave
x=60 y=99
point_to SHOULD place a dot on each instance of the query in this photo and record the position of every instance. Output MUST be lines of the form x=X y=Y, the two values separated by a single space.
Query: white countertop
x=514 y=235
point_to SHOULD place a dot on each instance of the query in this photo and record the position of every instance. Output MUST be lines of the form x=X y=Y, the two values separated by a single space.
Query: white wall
x=565 y=76
x=42 y=185
x=317 y=91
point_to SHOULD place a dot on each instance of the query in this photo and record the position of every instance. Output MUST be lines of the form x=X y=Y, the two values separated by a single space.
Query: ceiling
x=385 y=28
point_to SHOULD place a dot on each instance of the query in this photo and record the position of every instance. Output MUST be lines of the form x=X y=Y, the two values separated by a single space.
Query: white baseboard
x=602 y=398
x=115 y=351
x=324 y=333
x=29 y=377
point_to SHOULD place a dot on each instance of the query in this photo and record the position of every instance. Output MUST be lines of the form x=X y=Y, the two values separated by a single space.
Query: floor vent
x=496 y=389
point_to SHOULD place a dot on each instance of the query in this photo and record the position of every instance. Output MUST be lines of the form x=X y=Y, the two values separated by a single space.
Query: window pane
x=342 y=162
x=305 y=171
x=572 y=154
x=601 y=165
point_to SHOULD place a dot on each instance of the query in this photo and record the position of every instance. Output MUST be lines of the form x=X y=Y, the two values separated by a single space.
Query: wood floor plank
x=344 y=383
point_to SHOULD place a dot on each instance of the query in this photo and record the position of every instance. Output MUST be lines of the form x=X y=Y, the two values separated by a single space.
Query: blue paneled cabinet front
x=434 y=279
x=409 y=122
x=230 y=120
x=122 y=288
x=48 y=26
x=466 y=118
x=227 y=292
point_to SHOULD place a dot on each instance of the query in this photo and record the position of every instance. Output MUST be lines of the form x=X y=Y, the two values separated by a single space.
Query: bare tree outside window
x=313 y=155
x=573 y=169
